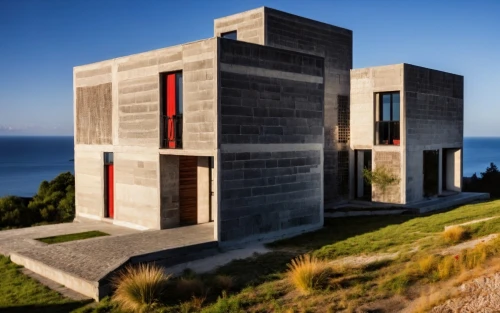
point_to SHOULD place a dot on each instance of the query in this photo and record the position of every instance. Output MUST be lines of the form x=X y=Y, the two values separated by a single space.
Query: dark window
x=172 y=109
x=343 y=173
x=230 y=35
x=387 y=126
x=108 y=158
x=343 y=119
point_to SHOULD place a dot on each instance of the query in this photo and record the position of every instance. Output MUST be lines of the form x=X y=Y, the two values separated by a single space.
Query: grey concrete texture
x=259 y=109
x=93 y=115
x=288 y=31
x=82 y=265
x=269 y=192
x=249 y=26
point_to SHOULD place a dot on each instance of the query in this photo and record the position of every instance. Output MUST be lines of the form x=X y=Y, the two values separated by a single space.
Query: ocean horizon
x=26 y=161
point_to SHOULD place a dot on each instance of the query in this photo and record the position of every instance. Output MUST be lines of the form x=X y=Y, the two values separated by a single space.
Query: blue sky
x=42 y=40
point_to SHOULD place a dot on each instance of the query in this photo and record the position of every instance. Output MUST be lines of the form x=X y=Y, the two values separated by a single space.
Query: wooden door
x=188 y=190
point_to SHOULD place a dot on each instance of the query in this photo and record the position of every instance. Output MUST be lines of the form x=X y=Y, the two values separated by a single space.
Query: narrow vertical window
x=387 y=125
x=172 y=109
x=109 y=208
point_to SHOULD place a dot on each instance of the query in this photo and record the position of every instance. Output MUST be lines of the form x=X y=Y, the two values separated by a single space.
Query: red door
x=171 y=109
x=110 y=184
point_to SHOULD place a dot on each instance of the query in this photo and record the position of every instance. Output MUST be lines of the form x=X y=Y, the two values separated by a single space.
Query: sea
x=27 y=161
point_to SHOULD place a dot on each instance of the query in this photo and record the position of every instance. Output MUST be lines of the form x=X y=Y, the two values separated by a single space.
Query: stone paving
x=92 y=259
x=24 y=238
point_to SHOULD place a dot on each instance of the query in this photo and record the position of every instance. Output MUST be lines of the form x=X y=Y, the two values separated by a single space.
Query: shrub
x=307 y=273
x=139 y=288
x=455 y=234
x=381 y=178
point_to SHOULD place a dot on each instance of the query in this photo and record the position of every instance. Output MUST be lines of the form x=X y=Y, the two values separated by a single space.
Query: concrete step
x=100 y=287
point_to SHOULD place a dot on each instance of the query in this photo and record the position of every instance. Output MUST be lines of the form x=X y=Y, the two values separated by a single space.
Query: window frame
x=379 y=119
x=224 y=34
x=179 y=108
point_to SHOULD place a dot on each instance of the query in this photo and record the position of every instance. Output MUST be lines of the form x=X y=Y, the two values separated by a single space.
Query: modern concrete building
x=254 y=131
x=408 y=119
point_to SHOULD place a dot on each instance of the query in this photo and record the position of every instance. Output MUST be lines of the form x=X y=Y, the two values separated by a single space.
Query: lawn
x=259 y=284
x=20 y=293
x=72 y=237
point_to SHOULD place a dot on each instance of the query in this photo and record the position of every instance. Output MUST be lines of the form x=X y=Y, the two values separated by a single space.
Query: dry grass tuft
x=307 y=273
x=427 y=264
x=139 y=288
x=447 y=267
x=455 y=234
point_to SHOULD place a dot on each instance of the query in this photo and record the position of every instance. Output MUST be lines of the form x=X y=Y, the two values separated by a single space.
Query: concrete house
x=255 y=129
x=408 y=119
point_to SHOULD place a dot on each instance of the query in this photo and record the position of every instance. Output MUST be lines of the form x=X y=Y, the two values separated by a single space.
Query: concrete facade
x=277 y=120
x=430 y=118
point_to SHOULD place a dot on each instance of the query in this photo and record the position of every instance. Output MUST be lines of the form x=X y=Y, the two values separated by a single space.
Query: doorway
x=431 y=173
x=363 y=160
x=451 y=173
x=188 y=190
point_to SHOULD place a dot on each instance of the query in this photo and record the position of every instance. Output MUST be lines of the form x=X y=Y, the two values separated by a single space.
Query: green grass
x=259 y=280
x=72 y=237
x=20 y=293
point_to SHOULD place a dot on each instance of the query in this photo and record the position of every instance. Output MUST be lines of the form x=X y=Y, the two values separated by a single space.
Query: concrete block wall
x=89 y=183
x=132 y=131
x=434 y=121
x=249 y=26
x=271 y=141
x=169 y=191
x=391 y=161
x=136 y=189
x=365 y=84
x=269 y=193
x=296 y=33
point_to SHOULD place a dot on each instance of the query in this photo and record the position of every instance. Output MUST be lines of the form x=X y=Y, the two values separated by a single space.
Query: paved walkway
x=24 y=238
x=91 y=259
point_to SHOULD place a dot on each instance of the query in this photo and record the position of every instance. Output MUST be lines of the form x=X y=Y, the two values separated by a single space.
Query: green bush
x=54 y=203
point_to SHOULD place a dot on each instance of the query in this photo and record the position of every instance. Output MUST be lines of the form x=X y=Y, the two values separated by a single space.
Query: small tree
x=380 y=177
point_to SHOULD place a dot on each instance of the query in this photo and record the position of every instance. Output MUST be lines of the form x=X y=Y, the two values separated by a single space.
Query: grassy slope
x=72 y=237
x=259 y=285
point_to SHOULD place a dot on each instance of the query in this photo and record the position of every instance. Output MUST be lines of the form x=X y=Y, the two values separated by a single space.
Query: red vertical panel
x=171 y=109
x=111 y=208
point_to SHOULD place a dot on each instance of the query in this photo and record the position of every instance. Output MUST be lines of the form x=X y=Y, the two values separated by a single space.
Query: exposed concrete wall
x=136 y=189
x=89 y=183
x=365 y=84
x=271 y=141
x=203 y=189
x=93 y=111
x=274 y=97
x=134 y=124
x=292 y=32
x=453 y=169
x=169 y=186
x=249 y=26
x=391 y=161
x=266 y=193
x=434 y=121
